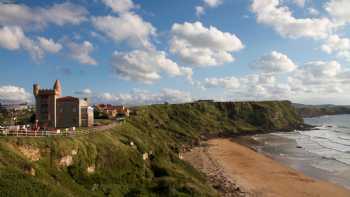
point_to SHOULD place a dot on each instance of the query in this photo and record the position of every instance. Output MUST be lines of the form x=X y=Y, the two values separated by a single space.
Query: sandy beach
x=236 y=170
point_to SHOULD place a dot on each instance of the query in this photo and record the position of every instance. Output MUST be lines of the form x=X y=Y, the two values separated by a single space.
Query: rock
x=66 y=161
x=30 y=171
x=33 y=154
x=145 y=156
x=94 y=187
x=91 y=169
x=74 y=152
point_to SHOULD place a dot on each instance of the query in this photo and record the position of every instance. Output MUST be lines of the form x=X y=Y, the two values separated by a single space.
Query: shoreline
x=238 y=170
x=288 y=152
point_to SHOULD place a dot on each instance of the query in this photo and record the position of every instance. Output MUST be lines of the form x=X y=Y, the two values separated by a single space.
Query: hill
x=321 y=110
x=140 y=157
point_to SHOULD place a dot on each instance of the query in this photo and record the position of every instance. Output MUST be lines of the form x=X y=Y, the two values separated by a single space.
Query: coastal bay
x=254 y=174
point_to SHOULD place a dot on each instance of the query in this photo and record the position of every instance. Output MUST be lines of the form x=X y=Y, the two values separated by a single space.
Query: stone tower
x=45 y=102
x=57 y=88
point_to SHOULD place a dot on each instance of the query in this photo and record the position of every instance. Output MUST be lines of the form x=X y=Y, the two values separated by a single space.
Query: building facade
x=113 y=111
x=54 y=111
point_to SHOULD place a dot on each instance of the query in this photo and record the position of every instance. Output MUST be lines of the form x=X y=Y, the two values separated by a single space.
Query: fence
x=30 y=133
x=20 y=132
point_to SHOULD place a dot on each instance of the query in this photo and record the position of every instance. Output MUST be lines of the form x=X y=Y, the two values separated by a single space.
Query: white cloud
x=38 y=17
x=144 y=63
x=11 y=93
x=213 y=3
x=313 y=11
x=127 y=27
x=300 y=3
x=339 y=46
x=84 y=92
x=13 y=38
x=49 y=45
x=139 y=97
x=81 y=52
x=319 y=77
x=344 y=55
x=260 y=79
x=318 y=72
x=119 y=6
x=334 y=43
x=146 y=66
x=272 y=13
x=200 y=10
x=225 y=82
x=197 y=45
x=274 y=62
x=339 y=10
x=319 y=80
x=319 y=69
x=250 y=87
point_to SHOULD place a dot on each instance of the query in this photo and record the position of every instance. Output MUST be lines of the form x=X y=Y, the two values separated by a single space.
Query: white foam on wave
x=329 y=142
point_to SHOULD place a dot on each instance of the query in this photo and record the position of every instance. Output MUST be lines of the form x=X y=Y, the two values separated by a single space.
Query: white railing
x=17 y=131
x=30 y=133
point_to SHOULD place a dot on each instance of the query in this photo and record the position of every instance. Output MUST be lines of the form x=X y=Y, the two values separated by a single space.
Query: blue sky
x=135 y=52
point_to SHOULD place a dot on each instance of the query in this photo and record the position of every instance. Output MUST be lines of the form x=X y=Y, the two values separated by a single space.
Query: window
x=74 y=109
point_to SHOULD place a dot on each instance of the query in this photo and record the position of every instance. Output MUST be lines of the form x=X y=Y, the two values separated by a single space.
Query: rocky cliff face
x=268 y=115
x=114 y=162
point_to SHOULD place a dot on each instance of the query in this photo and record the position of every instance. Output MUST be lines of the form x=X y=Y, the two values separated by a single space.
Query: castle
x=54 y=111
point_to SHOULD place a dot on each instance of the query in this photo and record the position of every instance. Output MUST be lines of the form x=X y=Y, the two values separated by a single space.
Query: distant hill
x=321 y=110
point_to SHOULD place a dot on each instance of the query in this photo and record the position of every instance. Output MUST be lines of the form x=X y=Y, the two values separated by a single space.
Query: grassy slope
x=120 y=169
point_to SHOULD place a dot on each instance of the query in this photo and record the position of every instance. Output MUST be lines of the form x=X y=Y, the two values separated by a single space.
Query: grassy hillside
x=114 y=163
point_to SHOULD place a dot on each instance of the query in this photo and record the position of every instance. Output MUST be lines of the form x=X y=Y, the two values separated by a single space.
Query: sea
x=322 y=153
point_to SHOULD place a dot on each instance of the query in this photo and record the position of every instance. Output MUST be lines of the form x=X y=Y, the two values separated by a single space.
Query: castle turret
x=36 y=89
x=57 y=88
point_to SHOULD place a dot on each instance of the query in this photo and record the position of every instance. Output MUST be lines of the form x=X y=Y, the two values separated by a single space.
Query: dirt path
x=243 y=172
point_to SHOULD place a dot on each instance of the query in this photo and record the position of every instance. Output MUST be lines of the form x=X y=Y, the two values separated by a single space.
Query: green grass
x=103 y=121
x=160 y=130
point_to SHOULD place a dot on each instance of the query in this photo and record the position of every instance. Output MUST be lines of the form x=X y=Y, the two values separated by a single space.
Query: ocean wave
x=338 y=141
x=329 y=135
x=324 y=143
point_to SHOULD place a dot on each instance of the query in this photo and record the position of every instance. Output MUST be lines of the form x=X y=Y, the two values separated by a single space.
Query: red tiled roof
x=110 y=107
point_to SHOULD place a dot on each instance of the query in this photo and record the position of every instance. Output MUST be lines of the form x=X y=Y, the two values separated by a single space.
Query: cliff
x=137 y=158
x=309 y=111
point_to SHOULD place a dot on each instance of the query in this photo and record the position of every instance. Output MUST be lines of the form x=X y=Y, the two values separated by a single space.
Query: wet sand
x=236 y=170
x=289 y=153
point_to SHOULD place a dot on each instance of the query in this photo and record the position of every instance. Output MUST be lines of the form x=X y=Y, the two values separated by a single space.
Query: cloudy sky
x=138 y=51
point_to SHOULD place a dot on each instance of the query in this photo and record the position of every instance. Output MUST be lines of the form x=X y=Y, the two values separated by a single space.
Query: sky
x=154 y=51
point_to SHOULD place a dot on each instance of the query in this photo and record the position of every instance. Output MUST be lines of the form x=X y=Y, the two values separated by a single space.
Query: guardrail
x=30 y=133
x=24 y=133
